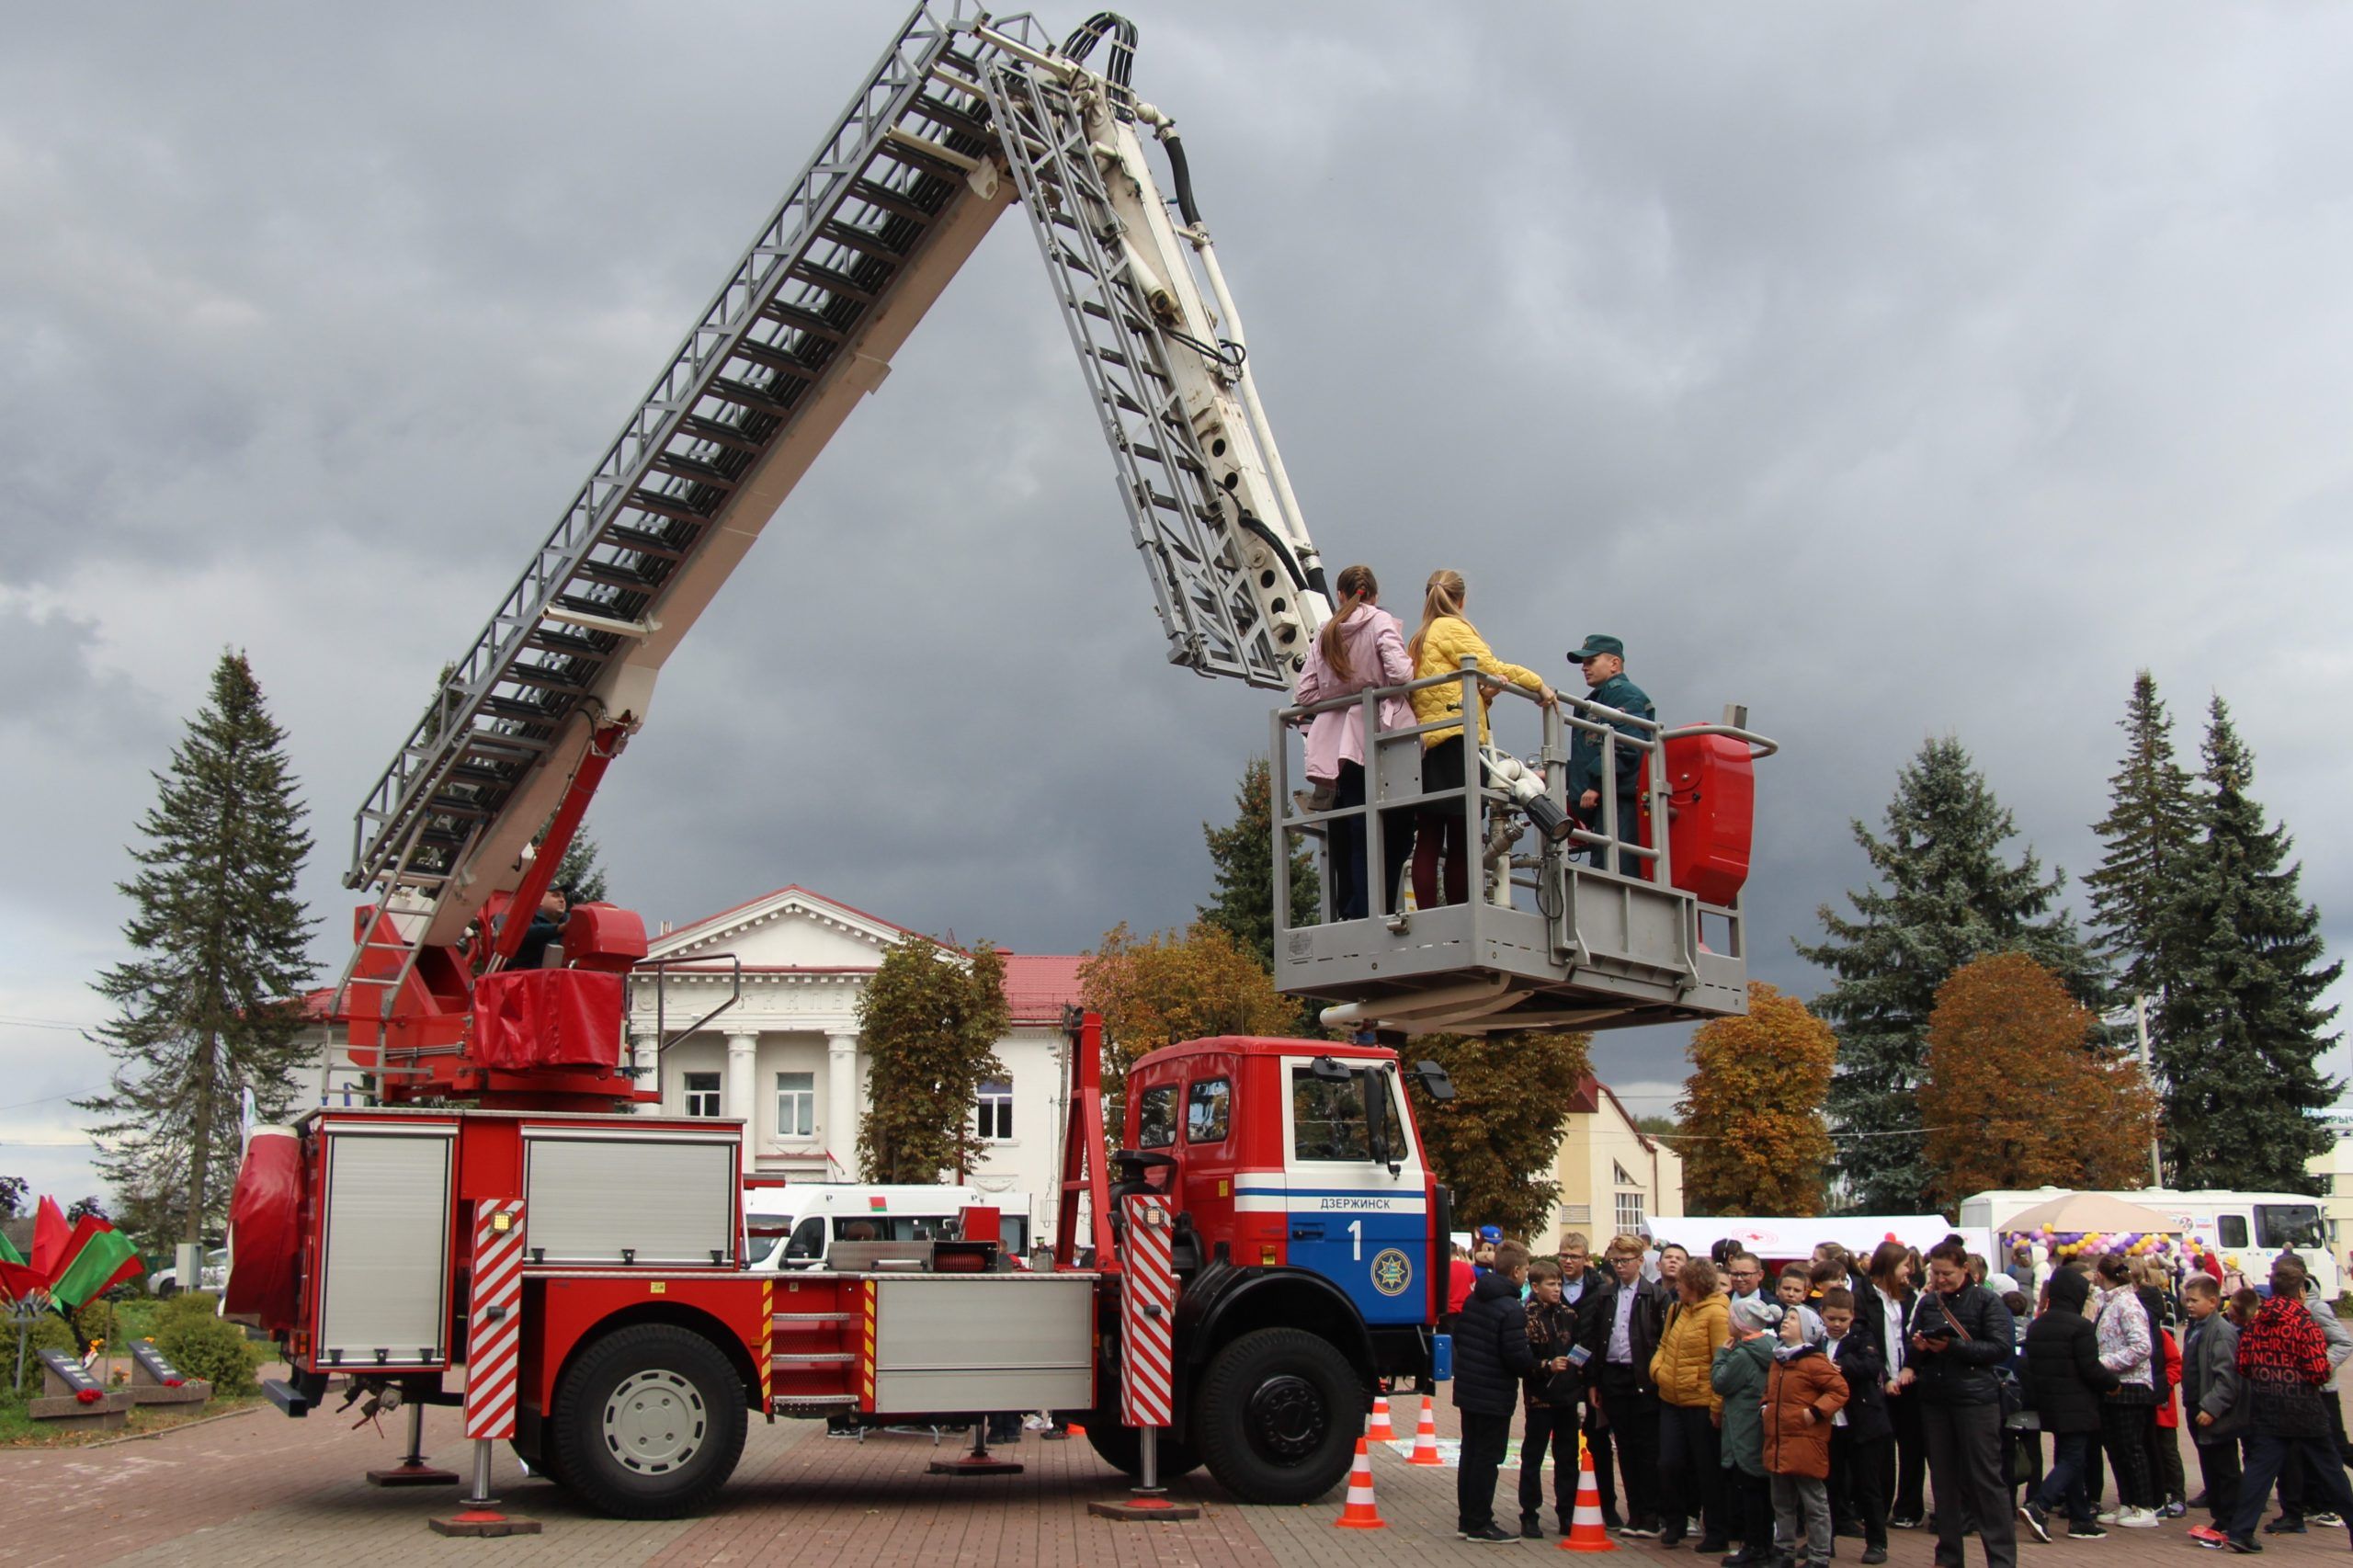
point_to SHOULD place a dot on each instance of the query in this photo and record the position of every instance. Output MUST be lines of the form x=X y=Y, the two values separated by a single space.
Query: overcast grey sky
x=1897 y=370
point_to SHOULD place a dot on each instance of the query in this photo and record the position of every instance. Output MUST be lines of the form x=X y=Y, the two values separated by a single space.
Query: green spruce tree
x=1945 y=895
x=2149 y=834
x=580 y=869
x=211 y=1003
x=2240 y=1033
x=1243 y=852
x=929 y=1020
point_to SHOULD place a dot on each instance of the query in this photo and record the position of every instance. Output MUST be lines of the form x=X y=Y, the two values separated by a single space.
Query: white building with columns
x=784 y=1057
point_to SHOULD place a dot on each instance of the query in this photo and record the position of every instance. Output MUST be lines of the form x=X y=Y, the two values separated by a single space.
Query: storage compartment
x=619 y=1197
x=384 y=1275
x=1712 y=791
x=963 y=1345
x=546 y=1017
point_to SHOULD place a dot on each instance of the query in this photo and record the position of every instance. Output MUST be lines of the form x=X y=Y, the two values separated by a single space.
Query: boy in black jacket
x=1551 y=1428
x=2065 y=1384
x=1862 y=1433
x=1492 y=1358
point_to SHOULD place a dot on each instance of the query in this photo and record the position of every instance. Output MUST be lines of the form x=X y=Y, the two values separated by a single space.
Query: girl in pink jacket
x=1362 y=646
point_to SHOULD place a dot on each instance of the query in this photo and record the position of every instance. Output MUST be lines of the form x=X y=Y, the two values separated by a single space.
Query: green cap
x=1596 y=644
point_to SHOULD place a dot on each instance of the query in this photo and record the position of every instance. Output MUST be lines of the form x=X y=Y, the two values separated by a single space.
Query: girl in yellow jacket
x=1690 y=1416
x=1439 y=647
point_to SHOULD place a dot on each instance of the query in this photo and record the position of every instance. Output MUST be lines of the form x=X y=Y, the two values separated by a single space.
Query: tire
x=167 y=1289
x=1121 y=1448
x=1277 y=1417
x=648 y=1424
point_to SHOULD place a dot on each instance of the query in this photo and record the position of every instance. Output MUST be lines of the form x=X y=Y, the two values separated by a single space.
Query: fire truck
x=1266 y=1244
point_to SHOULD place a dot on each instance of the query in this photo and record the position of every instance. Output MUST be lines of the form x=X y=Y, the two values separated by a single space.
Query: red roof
x=1587 y=1101
x=1038 y=986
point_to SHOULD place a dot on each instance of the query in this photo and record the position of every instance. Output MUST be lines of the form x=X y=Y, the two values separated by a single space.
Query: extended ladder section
x=905 y=186
x=1548 y=939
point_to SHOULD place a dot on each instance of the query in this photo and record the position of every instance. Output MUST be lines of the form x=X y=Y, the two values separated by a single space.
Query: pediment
x=791 y=929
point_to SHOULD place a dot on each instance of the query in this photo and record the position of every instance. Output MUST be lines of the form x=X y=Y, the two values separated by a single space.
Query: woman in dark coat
x=1884 y=1296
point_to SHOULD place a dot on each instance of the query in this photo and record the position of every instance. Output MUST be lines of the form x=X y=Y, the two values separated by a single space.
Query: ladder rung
x=662 y=506
x=692 y=467
x=720 y=433
x=448 y=806
x=613 y=574
x=864 y=241
x=645 y=543
x=511 y=708
x=899 y=152
x=491 y=742
x=545 y=679
x=876 y=194
x=549 y=639
x=776 y=359
x=944 y=113
x=801 y=320
x=746 y=395
x=837 y=283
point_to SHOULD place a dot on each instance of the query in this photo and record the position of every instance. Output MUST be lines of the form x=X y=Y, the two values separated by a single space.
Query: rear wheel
x=1277 y=1417
x=648 y=1424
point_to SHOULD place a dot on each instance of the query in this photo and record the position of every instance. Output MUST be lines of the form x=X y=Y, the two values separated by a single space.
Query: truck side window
x=2287 y=1225
x=1156 y=1118
x=1393 y=1125
x=2232 y=1228
x=808 y=1239
x=1327 y=1118
x=1207 y=1104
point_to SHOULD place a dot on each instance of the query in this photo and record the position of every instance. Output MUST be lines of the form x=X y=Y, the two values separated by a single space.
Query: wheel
x=167 y=1289
x=648 y=1423
x=1277 y=1417
x=1121 y=1448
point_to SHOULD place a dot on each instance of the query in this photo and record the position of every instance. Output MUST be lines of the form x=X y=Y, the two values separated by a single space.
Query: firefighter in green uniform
x=1604 y=661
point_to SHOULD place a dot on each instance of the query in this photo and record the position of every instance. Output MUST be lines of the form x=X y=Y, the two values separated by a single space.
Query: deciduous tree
x=12 y=1195
x=210 y=1005
x=930 y=1020
x=1166 y=988
x=2242 y=1032
x=1946 y=894
x=2020 y=1093
x=1752 y=1109
x=1496 y=1142
x=1243 y=852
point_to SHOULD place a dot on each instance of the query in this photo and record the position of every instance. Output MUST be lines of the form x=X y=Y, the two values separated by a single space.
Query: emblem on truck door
x=1392 y=1272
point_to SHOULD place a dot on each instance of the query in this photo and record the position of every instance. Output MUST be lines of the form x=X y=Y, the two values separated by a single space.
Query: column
x=742 y=1094
x=841 y=1105
x=645 y=1055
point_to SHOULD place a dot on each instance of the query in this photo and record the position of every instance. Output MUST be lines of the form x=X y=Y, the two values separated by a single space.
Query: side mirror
x=1435 y=1081
x=1326 y=1070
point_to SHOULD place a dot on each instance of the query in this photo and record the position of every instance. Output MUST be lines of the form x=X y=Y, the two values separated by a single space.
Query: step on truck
x=1266 y=1248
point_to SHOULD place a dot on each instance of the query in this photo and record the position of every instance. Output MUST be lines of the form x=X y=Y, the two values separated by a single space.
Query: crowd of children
x=1844 y=1399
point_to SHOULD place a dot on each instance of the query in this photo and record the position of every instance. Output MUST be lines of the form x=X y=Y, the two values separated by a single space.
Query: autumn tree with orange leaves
x=1752 y=1109
x=2016 y=1095
x=1166 y=988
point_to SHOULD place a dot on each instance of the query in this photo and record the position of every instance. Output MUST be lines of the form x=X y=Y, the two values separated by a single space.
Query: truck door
x=1354 y=1189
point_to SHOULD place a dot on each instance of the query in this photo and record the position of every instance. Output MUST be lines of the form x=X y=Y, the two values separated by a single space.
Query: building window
x=796 y=1104
x=1619 y=1172
x=702 y=1094
x=996 y=1104
x=1630 y=1212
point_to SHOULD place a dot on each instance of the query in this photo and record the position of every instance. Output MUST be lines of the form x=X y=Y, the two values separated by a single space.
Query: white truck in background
x=2248 y=1229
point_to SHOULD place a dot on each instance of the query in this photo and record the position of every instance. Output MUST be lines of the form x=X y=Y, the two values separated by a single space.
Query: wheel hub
x=654 y=1421
x=1286 y=1419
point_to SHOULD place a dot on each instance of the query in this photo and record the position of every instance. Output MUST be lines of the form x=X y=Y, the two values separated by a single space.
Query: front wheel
x=648 y=1423
x=1277 y=1417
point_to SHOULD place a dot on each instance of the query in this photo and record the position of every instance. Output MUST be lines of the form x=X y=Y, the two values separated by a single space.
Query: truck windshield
x=2287 y=1225
x=1327 y=1117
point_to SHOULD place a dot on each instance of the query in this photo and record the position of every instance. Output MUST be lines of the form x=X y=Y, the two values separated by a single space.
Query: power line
x=46 y=1024
x=45 y=1100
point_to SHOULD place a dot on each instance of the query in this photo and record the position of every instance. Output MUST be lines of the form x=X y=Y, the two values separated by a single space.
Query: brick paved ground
x=257 y=1489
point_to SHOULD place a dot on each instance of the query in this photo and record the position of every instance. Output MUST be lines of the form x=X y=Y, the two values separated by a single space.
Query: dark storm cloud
x=1897 y=372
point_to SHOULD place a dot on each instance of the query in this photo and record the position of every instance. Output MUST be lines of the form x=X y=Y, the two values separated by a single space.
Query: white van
x=793 y=1226
x=2251 y=1228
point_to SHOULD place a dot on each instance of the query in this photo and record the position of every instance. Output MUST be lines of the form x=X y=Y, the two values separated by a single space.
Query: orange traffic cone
x=1361 y=1514
x=1380 y=1431
x=1586 y=1532
x=1426 y=1438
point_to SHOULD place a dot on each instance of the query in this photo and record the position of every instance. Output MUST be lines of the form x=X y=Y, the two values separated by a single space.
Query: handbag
x=2006 y=1382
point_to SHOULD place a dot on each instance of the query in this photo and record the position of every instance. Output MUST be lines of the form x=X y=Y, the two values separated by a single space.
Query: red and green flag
x=99 y=1258
x=49 y=1236
x=8 y=1253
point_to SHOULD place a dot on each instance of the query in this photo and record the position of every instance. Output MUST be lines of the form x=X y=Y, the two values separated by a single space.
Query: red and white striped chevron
x=1147 y=1313
x=493 y=1332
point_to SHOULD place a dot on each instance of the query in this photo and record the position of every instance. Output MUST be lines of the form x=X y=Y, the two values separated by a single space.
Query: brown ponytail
x=1356 y=589
x=1442 y=597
